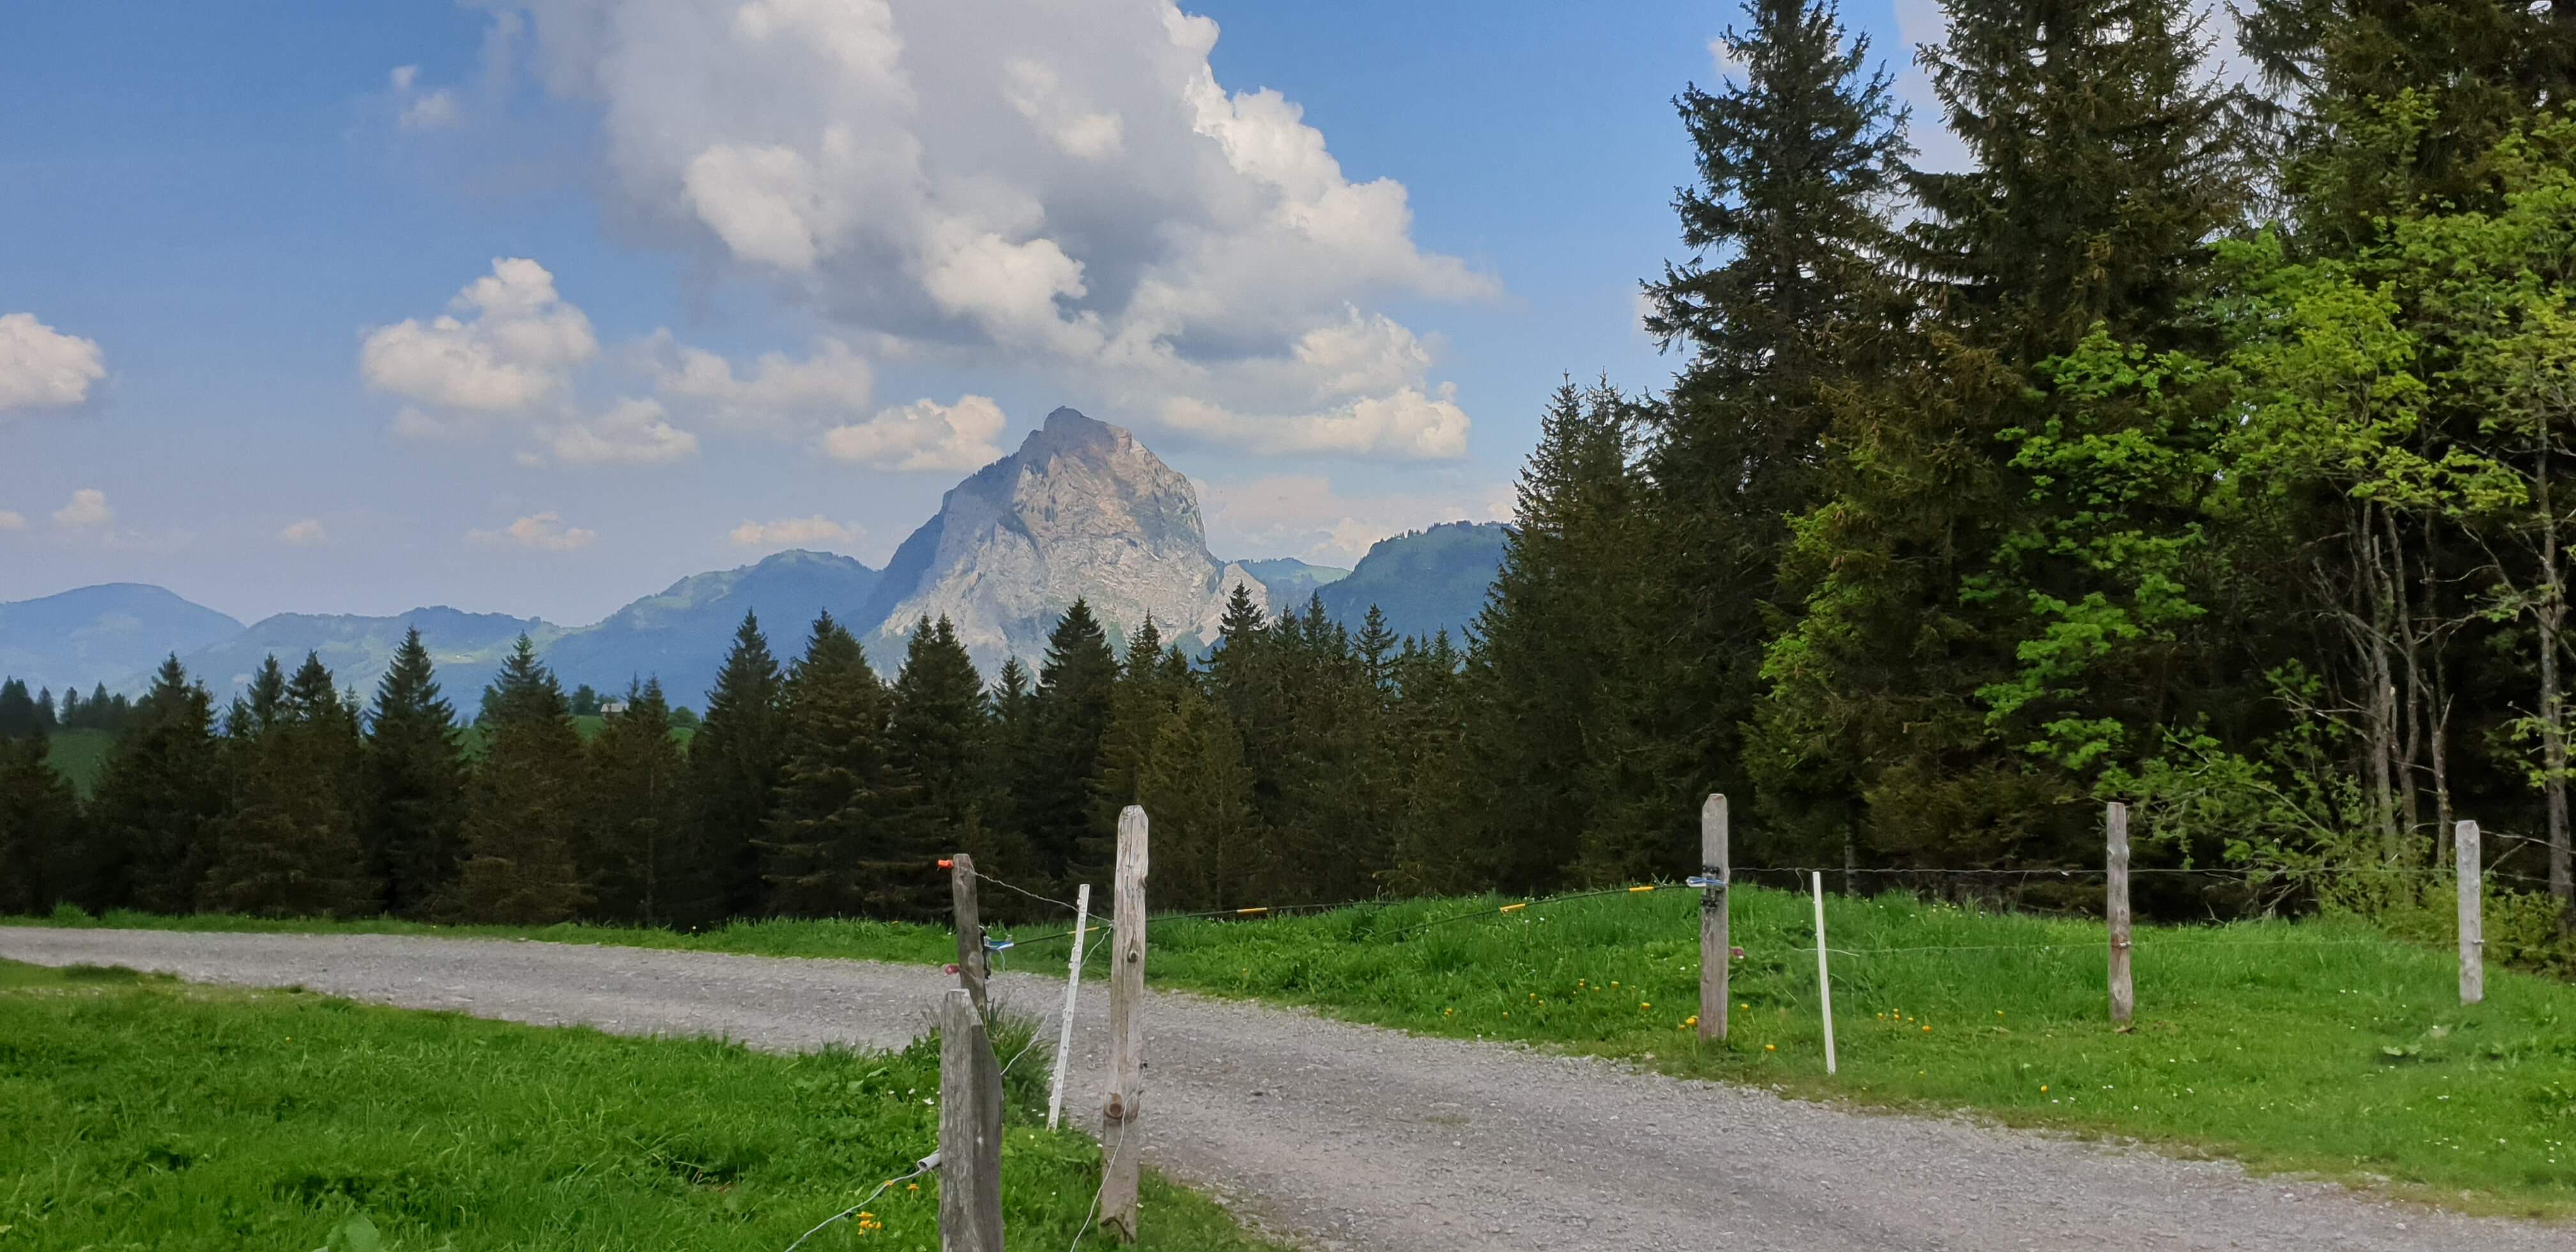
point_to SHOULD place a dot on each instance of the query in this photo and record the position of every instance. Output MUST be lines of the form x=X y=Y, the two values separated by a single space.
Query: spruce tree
x=17 y=710
x=1140 y=702
x=1208 y=853
x=46 y=721
x=161 y=798
x=414 y=794
x=940 y=739
x=1785 y=302
x=43 y=844
x=1376 y=647
x=1070 y=717
x=827 y=853
x=2103 y=164
x=75 y=714
x=638 y=842
x=290 y=847
x=524 y=817
x=1549 y=728
x=731 y=782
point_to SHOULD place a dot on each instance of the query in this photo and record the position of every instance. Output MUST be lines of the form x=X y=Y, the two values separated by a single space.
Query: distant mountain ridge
x=1080 y=509
x=1290 y=580
x=102 y=634
x=1424 y=581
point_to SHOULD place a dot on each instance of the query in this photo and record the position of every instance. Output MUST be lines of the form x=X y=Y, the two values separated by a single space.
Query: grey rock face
x=1081 y=510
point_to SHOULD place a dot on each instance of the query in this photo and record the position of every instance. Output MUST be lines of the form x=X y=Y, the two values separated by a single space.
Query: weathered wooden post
x=971 y=957
x=2468 y=861
x=2124 y=994
x=1126 y=1046
x=970 y=1130
x=1064 y=1025
x=1716 y=950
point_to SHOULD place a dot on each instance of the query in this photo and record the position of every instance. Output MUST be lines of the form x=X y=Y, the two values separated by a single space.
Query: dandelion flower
x=2043 y=1088
x=1770 y=1047
x=1927 y=1030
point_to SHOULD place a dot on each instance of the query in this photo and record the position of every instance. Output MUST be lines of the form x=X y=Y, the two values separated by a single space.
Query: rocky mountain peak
x=1081 y=509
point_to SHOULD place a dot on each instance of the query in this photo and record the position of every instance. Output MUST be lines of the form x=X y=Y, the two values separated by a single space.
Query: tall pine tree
x=290 y=846
x=638 y=842
x=940 y=740
x=415 y=789
x=1069 y=717
x=731 y=782
x=525 y=817
x=42 y=840
x=830 y=828
x=161 y=799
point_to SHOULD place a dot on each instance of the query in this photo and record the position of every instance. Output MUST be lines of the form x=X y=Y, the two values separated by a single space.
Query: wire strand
x=846 y=1213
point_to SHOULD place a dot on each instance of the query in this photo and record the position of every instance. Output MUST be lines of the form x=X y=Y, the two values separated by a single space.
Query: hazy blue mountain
x=1425 y=580
x=102 y=634
x=1290 y=580
x=1081 y=509
x=681 y=635
x=467 y=647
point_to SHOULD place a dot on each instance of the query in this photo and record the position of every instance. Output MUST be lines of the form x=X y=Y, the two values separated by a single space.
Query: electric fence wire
x=925 y=1166
x=1066 y=905
x=1093 y=1212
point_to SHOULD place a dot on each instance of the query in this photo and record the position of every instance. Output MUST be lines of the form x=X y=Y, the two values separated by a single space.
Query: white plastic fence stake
x=1072 y=984
x=1824 y=976
x=2467 y=860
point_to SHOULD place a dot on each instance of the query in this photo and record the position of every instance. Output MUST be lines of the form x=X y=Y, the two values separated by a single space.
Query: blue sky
x=593 y=296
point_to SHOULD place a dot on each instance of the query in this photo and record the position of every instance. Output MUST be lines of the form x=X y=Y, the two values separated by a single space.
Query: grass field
x=79 y=756
x=2313 y=1046
x=137 y=1112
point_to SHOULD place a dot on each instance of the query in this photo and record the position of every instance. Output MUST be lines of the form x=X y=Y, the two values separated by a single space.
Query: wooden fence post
x=2124 y=993
x=1716 y=951
x=1126 y=1046
x=2467 y=859
x=971 y=956
x=1824 y=974
x=1064 y=1025
x=970 y=1130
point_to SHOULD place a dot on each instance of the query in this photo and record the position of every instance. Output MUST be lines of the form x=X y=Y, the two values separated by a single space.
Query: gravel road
x=1352 y=1137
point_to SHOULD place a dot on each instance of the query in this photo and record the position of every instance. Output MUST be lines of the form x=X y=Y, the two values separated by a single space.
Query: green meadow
x=139 y=1112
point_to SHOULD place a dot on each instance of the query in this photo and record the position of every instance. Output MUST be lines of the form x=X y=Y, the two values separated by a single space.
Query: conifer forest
x=2194 y=443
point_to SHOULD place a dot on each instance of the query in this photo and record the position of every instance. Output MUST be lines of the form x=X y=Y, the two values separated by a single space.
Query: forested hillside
x=2193 y=445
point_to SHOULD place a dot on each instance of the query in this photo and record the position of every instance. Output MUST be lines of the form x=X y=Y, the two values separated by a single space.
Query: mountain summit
x=1081 y=510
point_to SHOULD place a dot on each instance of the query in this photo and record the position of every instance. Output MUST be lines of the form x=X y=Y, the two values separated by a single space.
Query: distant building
x=611 y=708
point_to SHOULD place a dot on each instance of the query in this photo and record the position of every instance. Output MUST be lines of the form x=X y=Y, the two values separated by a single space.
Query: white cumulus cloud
x=41 y=367
x=506 y=345
x=922 y=435
x=304 y=533
x=12 y=521
x=545 y=532
x=796 y=532
x=1069 y=192
x=775 y=394
x=87 y=511
x=632 y=432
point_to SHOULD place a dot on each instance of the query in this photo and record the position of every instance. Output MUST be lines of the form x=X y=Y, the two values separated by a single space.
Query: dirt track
x=1350 y=1137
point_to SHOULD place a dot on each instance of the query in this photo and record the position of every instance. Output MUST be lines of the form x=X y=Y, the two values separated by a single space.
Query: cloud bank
x=1070 y=192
